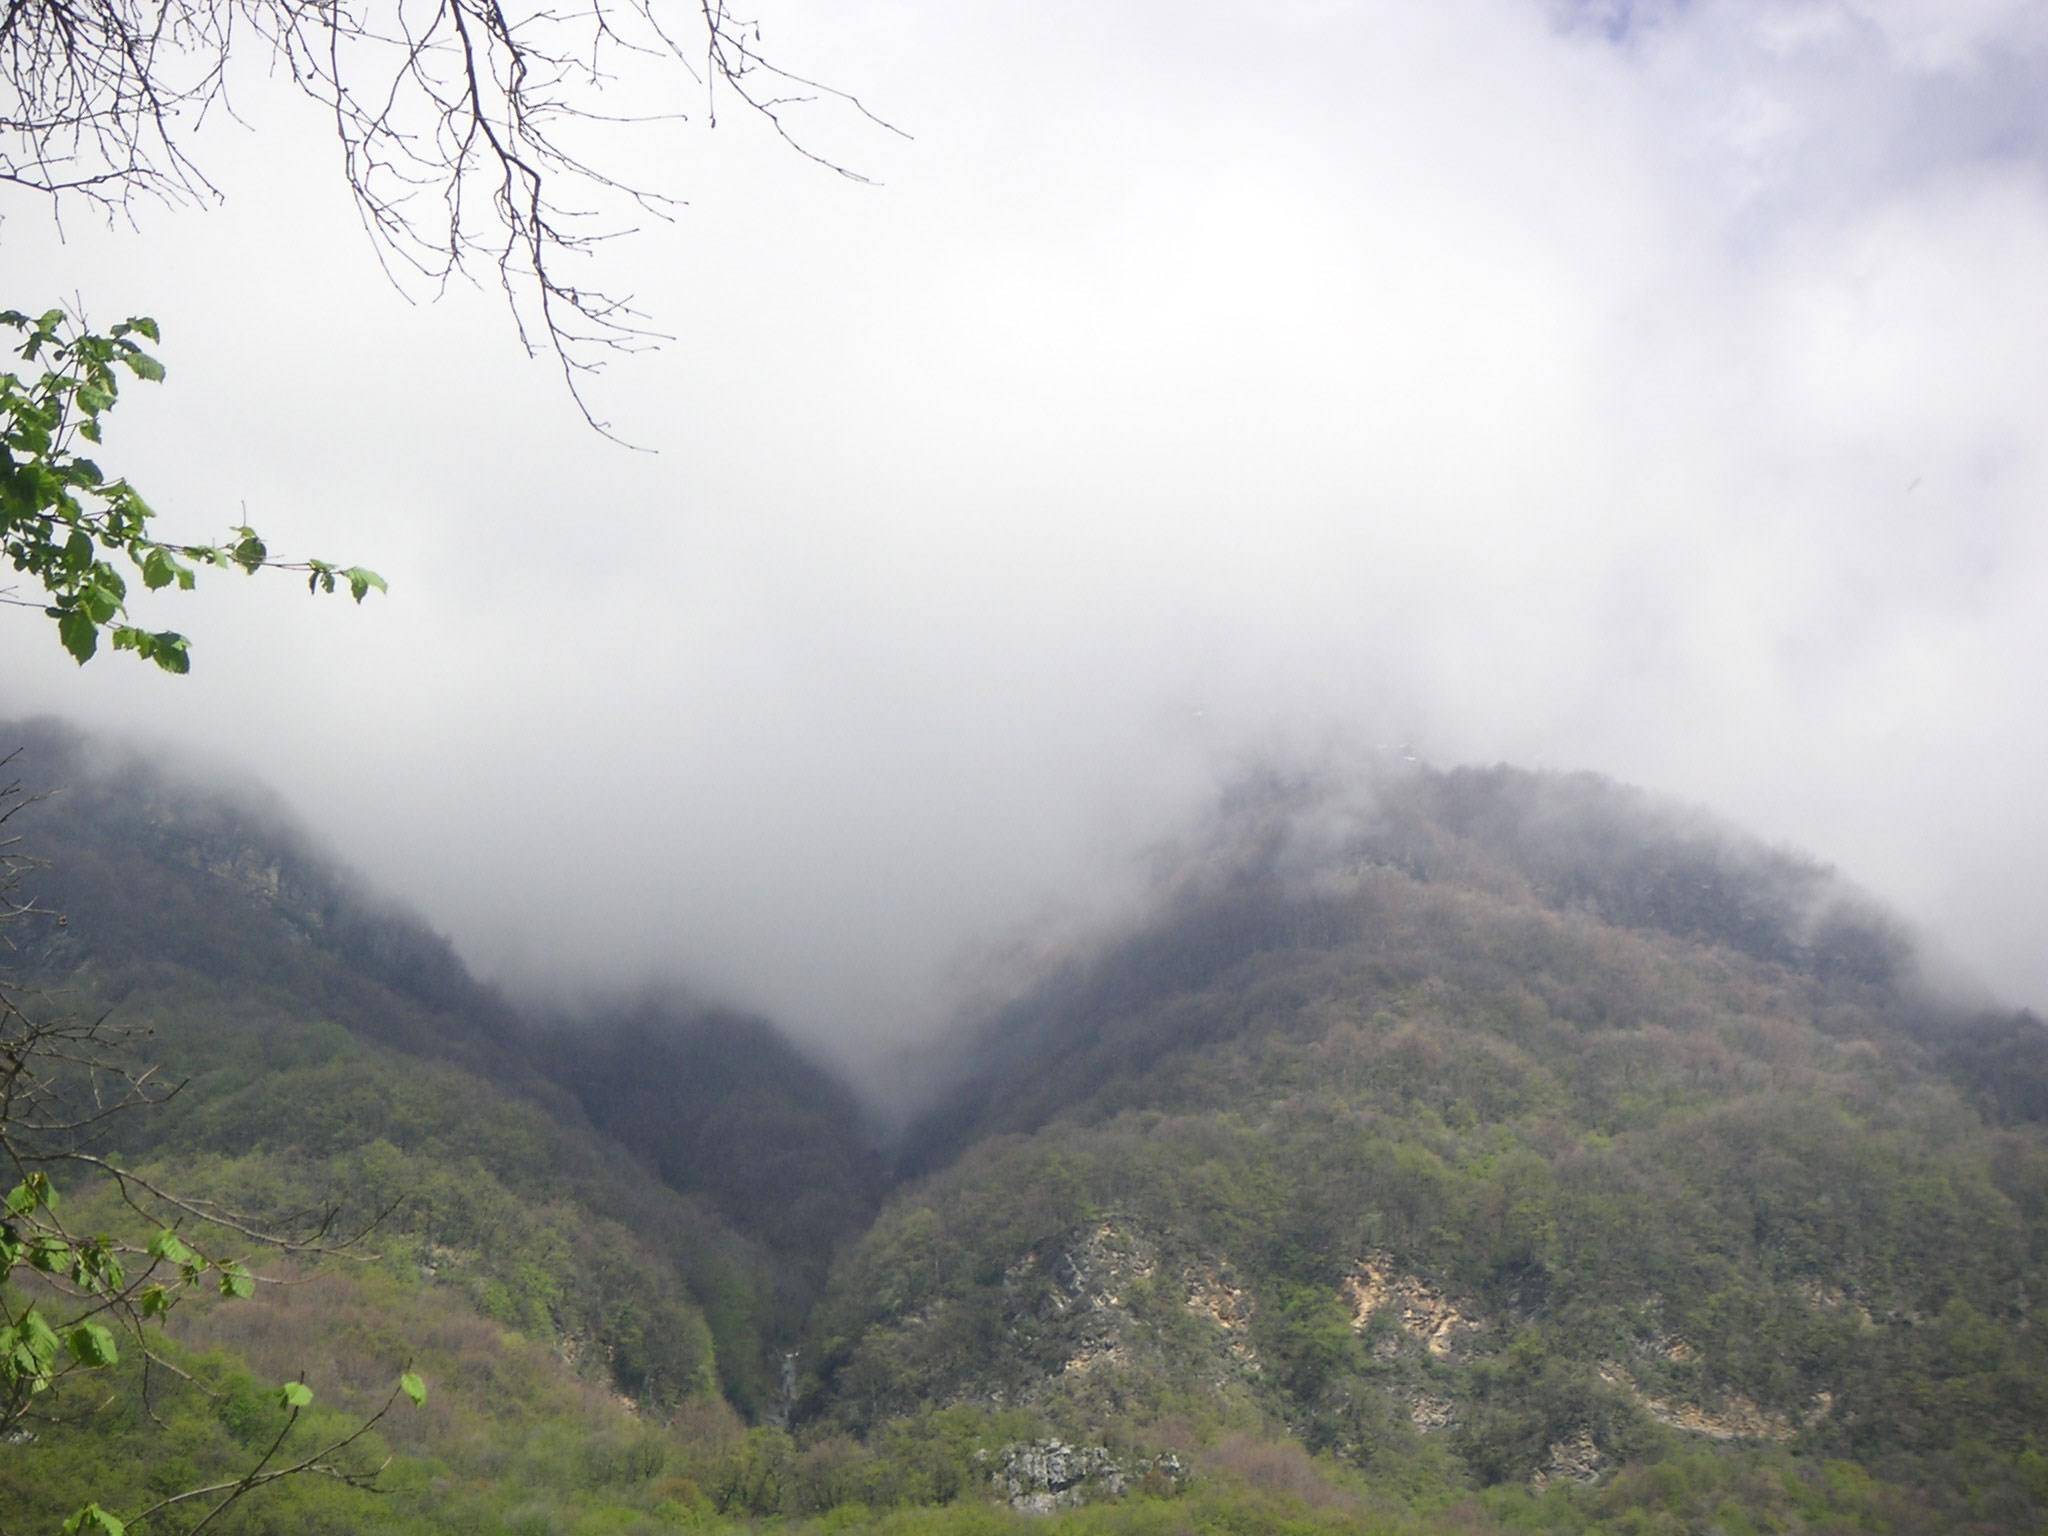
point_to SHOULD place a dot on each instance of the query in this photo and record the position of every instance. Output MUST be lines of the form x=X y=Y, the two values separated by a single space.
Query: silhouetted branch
x=453 y=119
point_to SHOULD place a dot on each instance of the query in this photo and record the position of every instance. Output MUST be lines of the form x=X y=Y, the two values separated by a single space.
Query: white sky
x=1656 y=388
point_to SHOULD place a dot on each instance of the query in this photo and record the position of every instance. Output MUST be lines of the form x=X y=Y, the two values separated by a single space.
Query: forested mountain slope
x=716 y=1102
x=328 y=1033
x=1503 y=1117
x=1446 y=1151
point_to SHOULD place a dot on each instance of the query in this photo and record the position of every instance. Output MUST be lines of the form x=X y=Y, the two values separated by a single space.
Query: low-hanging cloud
x=1654 y=388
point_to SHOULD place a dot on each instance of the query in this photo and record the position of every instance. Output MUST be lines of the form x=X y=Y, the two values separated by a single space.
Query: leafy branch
x=294 y=1397
x=65 y=523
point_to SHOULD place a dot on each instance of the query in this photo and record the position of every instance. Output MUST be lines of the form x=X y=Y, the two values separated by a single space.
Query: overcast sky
x=1657 y=388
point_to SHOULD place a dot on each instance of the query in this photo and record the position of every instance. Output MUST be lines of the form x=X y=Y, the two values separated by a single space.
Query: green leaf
x=27 y=1351
x=31 y=1192
x=157 y=570
x=411 y=1385
x=237 y=1282
x=92 y=1519
x=170 y=1248
x=173 y=652
x=156 y=1301
x=38 y=1339
x=295 y=1394
x=143 y=366
x=51 y=1255
x=96 y=1267
x=80 y=635
x=99 y=602
x=92 y=1345
x=360 y=581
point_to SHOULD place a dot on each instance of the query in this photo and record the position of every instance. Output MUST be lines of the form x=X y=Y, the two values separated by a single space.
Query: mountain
x=1433 y=1151
x=323 y=1030
x=1509 y=1117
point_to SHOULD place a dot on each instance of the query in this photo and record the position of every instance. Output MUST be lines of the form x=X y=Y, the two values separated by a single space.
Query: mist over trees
x=1423 y=1136
x=944 y=990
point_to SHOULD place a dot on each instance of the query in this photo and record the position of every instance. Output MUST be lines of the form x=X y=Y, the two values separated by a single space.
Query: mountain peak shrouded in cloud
x=159 y=862
x=1652 y=389
x=1294 y=860
x=1466 y=1128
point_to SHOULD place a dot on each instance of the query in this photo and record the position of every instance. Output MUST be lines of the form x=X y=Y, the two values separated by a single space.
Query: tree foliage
x=74 y=1298
x=1666 y=1180
x=1596 y=1080
x=70 y=527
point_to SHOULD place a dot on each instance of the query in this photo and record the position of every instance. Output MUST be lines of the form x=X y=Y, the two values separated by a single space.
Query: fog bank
x=1640 y=387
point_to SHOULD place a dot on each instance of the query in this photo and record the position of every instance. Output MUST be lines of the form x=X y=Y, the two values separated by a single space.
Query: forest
x=950 y=889
x=1454 y=1151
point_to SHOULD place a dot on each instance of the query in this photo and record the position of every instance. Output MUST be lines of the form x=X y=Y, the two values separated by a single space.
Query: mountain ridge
x=1467 y=1131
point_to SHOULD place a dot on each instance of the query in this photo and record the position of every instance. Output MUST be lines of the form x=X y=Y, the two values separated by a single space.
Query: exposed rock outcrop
x=1422 y=1310
x=1038 y=1477
x=1075 y=1298
x=1428 y=1411
x=1212 y=1295
x=1575 y=1459
x=1089 y=1273
x=1735 y=1418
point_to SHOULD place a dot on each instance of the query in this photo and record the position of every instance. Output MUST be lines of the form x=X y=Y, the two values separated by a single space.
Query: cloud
x=1652 y=389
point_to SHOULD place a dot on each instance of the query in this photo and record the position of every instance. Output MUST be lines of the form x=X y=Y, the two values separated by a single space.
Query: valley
x=1457 y=1150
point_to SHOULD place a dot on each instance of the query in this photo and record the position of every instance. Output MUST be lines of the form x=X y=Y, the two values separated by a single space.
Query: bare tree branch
x=459 y=124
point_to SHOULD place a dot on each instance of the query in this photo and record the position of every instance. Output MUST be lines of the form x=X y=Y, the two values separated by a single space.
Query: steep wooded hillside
x=1507 y=1118
x=325 y=1030
x=1470 y=1151
x=717 y=1103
